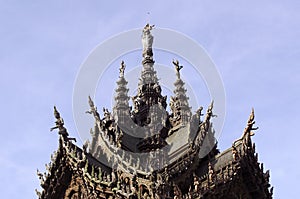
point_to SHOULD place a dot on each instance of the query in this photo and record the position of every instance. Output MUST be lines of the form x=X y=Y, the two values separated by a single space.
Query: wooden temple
x=144 y=152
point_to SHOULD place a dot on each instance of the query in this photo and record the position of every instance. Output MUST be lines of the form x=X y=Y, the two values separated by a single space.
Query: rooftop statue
x=177 y=67
x=147 y=40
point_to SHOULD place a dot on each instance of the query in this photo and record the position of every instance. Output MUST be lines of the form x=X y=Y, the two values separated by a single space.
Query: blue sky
x=255 y=46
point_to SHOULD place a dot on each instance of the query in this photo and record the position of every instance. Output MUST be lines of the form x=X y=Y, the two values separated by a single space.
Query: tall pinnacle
x=149 y=90
x=121 y=107
x=179 y=103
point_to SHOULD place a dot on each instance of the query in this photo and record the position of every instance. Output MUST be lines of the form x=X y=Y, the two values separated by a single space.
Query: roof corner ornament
x=248 y=132
x=93 y=109
x=59 y=124
x=250 y=123
x=177 y=67
x=147 y=40
x=209 y=112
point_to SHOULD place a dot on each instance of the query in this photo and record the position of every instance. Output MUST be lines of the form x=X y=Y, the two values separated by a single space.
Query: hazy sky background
x=255 y=46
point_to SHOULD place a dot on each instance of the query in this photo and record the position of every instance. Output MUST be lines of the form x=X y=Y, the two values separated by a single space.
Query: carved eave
x=71 y=165
x=236 y=167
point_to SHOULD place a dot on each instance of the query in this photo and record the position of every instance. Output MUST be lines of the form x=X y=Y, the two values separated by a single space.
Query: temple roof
x=147 y=152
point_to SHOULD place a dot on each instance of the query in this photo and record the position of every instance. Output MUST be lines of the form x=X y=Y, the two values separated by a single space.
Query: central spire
x=149 y=90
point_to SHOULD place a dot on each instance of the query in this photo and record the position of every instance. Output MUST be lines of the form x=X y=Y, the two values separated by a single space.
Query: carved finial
x=252 y=116
x=59 y=121
x=122 y=68
x=250 y=124
x=211 y=106
x=148 y=27
x=91 y=103
x=147 y=40
x=177 y=67
x=248 y=132
x=56 y=113
x=93 y=109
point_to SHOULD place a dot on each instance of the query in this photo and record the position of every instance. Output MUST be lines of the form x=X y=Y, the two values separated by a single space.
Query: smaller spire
x=121 y=108
x=179 y=103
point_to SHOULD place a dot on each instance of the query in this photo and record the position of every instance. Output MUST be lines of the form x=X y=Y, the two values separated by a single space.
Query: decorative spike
x=271 y=191
x=38 y=193
x=252 y=116
x=256 y=156
x=39 y=174
x=47 y=166
x=211 y=106
x=91 y=103
x=99 y=174
x=267 y=175
x=86 y=166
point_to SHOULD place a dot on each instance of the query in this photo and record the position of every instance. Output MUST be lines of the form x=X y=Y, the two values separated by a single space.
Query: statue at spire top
x=122 y=68
x=177 y=67
x=147 y=40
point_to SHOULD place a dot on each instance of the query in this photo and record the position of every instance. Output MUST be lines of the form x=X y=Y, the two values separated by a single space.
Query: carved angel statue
x=147 y=40
x=177 y=67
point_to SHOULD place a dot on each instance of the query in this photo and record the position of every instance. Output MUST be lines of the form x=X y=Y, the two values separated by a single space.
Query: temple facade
x=145 y=152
